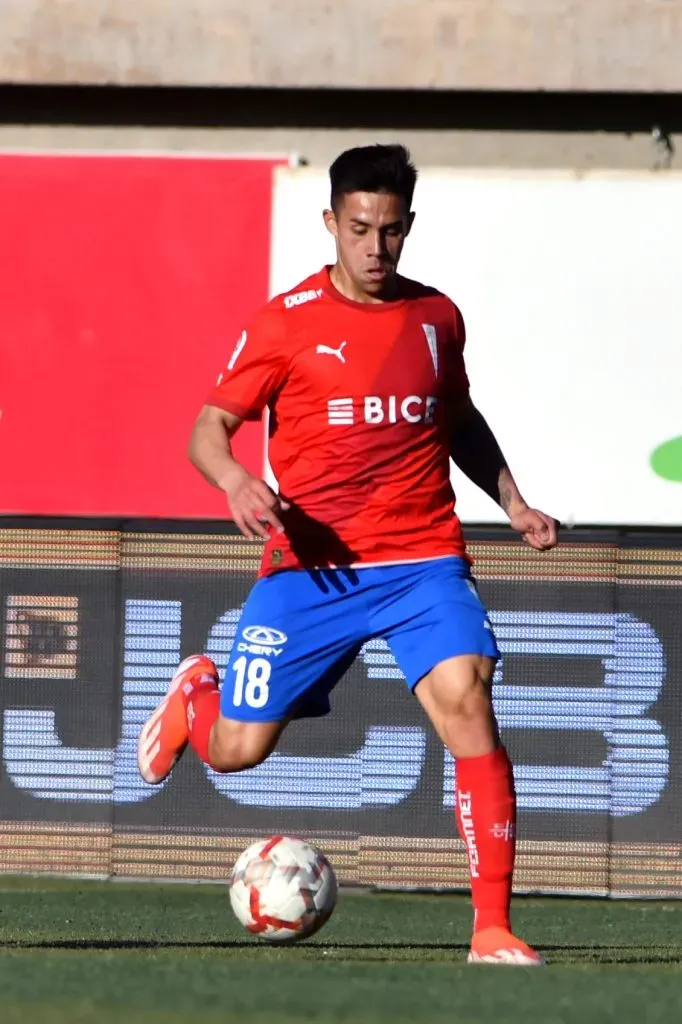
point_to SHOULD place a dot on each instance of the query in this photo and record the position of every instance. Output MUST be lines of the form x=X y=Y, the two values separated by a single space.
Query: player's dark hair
x=373 y=169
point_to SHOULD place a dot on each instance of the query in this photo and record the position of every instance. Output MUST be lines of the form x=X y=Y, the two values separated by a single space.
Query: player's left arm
x=475 y=450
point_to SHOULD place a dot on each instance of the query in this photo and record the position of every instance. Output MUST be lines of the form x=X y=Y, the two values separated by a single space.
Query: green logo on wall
x=666 y=460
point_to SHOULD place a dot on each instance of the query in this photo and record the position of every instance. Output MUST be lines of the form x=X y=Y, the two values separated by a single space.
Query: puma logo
x=325 y=350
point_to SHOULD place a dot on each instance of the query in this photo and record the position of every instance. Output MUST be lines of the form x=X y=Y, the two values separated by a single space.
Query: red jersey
x=359 y=396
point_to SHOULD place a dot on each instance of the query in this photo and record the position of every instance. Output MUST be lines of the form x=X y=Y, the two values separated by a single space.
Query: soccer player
x=362 y=371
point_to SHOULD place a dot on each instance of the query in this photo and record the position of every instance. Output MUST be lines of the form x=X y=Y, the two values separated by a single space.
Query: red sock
x=203 y=708
x=486 y=819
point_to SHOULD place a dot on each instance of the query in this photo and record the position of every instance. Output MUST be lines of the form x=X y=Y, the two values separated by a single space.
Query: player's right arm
x=253 y=504
x=254 y=372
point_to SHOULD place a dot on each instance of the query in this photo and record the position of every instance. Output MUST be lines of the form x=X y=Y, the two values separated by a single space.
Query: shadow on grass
x=121 y=944
x=214 y=944
x=613 y=954
x=555 y=954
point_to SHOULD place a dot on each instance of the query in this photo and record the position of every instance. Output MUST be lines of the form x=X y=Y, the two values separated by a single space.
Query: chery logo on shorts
x=374 y=409
x=262 y=640
x=264 y=635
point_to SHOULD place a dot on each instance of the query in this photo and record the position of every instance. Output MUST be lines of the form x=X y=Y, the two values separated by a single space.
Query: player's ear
x=410 y=222
x=329 y=218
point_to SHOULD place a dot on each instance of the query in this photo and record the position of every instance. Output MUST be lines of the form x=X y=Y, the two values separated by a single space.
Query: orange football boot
x=498 y=946
x=164 y=735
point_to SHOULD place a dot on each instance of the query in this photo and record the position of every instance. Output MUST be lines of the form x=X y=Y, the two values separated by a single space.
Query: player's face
x=370 y=229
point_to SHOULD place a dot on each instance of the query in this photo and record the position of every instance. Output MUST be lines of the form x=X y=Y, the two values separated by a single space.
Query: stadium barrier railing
x=94 y=615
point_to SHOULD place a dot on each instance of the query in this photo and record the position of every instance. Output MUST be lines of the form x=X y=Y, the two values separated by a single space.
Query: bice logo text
x=374 y=409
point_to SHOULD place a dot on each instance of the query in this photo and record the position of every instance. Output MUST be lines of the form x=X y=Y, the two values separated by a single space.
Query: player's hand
x=537 y=529
x=254 y=506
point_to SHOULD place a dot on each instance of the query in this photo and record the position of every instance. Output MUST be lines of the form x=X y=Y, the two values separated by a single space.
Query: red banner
x=125 y=283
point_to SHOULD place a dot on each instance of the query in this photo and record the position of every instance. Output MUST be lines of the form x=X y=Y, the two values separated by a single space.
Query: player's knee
x=237 y=758
x=470 y=700
x=462 y=689
x=237 y=751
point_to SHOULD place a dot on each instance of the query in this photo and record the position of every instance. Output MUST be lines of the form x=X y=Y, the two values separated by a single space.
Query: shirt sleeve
x=255 y=369
x=457 y=380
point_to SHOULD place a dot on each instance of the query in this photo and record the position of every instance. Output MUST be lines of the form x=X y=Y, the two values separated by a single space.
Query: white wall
x=571 y=288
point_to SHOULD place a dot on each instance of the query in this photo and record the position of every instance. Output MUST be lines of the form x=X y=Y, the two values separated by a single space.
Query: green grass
x=77 y=952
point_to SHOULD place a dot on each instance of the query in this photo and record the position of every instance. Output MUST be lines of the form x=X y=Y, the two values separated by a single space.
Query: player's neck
x=344 y=285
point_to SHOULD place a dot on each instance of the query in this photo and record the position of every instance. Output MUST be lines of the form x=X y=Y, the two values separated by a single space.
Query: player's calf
x=456 y=696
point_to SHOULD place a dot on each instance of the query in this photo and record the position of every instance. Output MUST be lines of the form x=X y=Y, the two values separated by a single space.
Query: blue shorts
x=300 y=630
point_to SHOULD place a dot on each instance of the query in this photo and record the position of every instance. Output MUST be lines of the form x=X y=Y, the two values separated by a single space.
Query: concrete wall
x=431 y=148
x=630 y=45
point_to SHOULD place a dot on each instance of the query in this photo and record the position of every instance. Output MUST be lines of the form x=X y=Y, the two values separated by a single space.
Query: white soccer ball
x=282 y=889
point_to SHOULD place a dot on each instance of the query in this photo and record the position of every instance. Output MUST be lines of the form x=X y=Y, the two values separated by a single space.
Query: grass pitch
x=77 y=952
